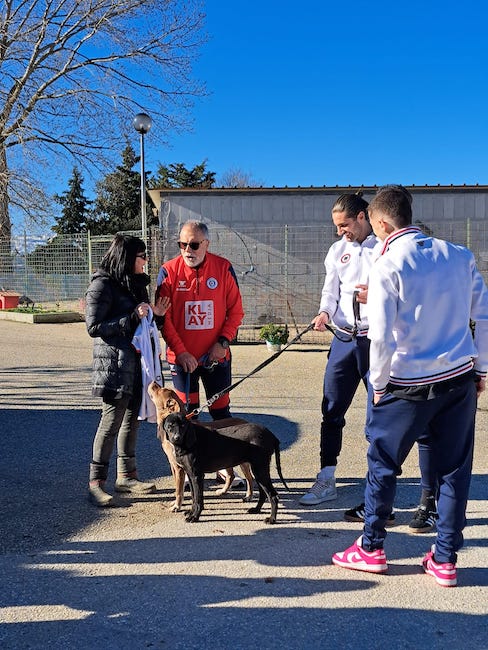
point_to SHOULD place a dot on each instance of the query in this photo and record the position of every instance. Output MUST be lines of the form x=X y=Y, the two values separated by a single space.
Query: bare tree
x=73 y=73
x=236 y=177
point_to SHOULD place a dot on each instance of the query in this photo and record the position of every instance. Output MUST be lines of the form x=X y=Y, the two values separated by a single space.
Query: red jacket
x=205 y=303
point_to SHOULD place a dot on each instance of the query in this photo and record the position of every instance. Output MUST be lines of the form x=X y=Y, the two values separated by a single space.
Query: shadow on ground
x=79 y=581
x=44 y=473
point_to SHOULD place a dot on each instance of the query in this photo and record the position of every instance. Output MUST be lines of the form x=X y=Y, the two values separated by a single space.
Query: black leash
x=223 y=392
x=350 y=335
x=356 y=311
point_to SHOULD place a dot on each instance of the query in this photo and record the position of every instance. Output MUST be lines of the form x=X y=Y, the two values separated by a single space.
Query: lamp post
x=142 y=124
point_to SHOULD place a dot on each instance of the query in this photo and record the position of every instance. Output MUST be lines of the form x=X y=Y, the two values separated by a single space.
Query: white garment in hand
x=146 y=342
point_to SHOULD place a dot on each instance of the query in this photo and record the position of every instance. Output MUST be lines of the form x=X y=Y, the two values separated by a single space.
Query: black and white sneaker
x=424 y=519
x=357 y=514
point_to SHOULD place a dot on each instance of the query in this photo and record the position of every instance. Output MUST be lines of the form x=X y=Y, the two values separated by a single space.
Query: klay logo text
x=199 y=314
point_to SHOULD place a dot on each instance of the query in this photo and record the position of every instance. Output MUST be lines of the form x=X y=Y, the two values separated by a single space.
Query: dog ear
x=168 y=422
x=172 y=406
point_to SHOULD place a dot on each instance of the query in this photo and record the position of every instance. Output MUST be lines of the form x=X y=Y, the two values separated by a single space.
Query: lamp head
x=142 y=123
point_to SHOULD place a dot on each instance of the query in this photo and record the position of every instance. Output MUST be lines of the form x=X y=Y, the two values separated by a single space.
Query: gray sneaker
x=133 y=485
x=321 y=490
x=98 y=496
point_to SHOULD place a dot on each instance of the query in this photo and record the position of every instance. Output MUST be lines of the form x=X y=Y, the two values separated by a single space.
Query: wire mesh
x=279 y=268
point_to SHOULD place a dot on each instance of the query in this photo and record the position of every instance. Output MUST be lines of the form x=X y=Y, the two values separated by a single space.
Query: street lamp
x=142 y=124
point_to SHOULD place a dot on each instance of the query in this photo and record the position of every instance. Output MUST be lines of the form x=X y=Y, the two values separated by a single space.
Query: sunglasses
x=143 y=256
x=194 y=245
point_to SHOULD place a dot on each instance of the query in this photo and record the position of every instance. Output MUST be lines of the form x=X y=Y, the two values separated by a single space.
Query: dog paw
x=247 y=499
x=270 y=520
x=254 y=511
x=174 y=508
x=192 y=516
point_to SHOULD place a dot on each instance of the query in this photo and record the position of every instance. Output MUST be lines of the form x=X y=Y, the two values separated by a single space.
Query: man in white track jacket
x=426 y=370
x=344 y=295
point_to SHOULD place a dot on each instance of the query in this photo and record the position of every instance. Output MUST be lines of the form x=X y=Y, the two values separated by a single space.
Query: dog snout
x=173 y=433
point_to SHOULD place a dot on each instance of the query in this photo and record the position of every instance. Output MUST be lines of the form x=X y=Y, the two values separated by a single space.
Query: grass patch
x=36 y=310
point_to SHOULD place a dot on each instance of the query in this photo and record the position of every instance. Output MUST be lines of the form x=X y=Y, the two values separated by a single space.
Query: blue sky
x=335 y=93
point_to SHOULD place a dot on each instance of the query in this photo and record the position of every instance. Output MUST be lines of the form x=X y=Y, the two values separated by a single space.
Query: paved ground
x=137 y=576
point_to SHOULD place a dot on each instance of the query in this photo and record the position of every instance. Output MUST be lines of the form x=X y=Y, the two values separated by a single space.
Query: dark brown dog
x=166 y=402
x=199 y=450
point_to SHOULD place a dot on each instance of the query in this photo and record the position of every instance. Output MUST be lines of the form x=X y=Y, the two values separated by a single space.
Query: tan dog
x=166 y=402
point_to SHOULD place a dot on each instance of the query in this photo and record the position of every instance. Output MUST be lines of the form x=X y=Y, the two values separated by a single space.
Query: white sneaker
x=321 y=490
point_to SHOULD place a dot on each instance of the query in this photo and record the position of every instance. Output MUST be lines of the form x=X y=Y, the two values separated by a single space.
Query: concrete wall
x=277 y=238
x=238 y=208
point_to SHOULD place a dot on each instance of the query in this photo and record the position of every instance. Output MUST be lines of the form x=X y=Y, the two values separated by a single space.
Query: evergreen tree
x=177 y=175
x=75 y=213
x=118 y=201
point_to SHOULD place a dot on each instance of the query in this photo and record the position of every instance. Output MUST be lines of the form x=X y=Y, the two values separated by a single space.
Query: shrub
x=274 y=333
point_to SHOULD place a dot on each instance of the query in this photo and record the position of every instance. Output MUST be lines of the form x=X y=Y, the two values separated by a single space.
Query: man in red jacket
x=205 y=313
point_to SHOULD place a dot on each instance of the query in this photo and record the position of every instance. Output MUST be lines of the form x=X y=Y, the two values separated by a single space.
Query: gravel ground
x=138 y=576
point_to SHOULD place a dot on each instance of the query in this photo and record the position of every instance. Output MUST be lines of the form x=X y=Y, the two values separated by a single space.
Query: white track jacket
x=422 y=294
x=347 y=264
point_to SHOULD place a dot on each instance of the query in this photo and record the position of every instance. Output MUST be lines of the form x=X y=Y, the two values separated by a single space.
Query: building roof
x=156 y=193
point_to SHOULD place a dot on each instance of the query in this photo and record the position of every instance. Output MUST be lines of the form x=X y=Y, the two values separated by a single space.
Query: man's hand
x=362 y=295
x=187 y=361
x=320 y=321
x=480 y=386
x=216 y=352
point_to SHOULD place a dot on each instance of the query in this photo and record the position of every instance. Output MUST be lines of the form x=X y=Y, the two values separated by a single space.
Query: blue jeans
x=118 y=422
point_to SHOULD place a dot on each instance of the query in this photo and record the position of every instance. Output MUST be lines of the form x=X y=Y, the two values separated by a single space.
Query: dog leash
x=208 y=365
x=353 y=334
x=223 y=392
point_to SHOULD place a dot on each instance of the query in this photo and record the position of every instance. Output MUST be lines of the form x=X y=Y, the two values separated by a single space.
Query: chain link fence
x=280 y=268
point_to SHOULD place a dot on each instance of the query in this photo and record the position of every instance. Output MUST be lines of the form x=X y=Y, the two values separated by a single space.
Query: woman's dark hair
x=351 y=204
x=120 y=258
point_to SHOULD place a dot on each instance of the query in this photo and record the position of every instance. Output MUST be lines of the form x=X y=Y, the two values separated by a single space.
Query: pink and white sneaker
x=444 y=573
x=356 y=558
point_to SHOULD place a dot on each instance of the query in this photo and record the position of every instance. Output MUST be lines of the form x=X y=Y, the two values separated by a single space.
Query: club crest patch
x=212 y=283
x=345 y=258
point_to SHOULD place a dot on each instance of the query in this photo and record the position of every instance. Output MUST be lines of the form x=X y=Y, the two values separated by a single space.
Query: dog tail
x=278 y=464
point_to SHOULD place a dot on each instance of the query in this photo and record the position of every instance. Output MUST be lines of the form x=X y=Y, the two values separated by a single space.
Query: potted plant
x=274 y=335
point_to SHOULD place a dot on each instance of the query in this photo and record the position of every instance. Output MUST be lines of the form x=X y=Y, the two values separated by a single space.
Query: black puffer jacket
x=111 y=321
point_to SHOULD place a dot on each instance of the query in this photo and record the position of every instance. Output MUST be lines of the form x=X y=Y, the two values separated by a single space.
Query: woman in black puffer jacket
x=116 y=300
